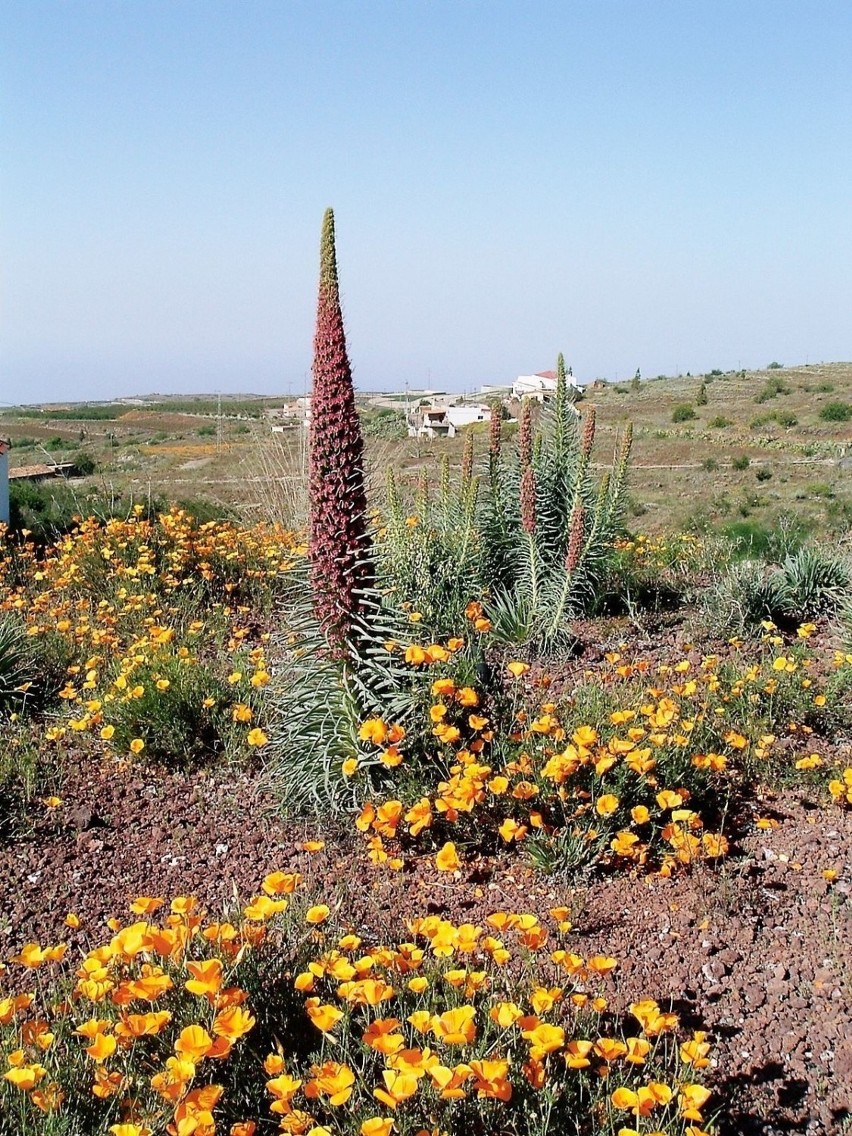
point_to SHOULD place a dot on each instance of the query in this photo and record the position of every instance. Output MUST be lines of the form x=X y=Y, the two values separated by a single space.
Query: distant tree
x=701 y=400
x=636 y=382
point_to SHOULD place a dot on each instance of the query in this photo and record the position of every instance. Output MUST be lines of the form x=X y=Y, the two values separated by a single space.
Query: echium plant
x=549 y=525
x=334 y=670
x=339 y=539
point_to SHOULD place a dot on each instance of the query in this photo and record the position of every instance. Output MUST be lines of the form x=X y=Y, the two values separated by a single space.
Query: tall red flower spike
x=339 y=540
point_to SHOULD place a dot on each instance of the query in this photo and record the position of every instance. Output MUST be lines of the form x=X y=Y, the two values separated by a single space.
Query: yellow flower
x=317 y=914
x=332 y=1080
x=26 y=1077
x=544 y=1038
x=447 y=859
x=206 y=978
x=607 y=804
x=455 y=1027
x=373 y=730
x=257 y=737
x=137 y=745
x=324 y=1017
x=281 y=883
x=193 y=1044
x=103 y=1046
x=377 y=1126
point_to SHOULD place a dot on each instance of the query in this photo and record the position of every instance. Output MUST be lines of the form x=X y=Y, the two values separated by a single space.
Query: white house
x=445 y=421
x=459 y=416
x=540 y=386
x=430 y=422
x=5 y=446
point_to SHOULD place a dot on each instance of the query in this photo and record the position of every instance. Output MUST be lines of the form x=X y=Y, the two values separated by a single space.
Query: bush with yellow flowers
x=633 y=769
x=287 y=1020
x=149 y=636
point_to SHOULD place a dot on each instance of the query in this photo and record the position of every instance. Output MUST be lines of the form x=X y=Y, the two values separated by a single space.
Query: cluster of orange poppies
x=500 y=1020
x=630 y=785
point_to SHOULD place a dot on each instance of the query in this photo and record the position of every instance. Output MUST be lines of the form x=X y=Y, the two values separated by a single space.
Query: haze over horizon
x=655 y=185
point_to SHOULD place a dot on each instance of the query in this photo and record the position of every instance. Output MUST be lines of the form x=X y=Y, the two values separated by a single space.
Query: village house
x=539 y=386
x=444 y=421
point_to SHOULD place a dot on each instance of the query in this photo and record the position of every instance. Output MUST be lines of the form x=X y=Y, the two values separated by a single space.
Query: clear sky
x=655 y=183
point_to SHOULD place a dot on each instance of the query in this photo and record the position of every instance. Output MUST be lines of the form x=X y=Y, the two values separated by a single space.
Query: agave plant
x=549 y=524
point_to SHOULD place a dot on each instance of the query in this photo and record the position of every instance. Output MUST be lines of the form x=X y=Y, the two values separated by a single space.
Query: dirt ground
x=758 y=952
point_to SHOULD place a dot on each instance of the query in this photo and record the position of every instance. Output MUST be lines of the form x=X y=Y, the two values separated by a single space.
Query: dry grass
x=682 y=473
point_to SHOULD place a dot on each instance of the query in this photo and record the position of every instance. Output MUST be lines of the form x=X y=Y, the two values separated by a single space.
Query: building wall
x=467 y=415
x=4 y=488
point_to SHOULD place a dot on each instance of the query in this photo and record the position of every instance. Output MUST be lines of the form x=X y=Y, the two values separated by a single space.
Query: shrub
x=720 y=422
x=46 y=509
x=743 y=597
x=384 y=423
x=774 y=366
x=710 y=465
x=772 y=389
x=683 y=413
x=176 y=707
x=820 y=489
x=786 y=419
x=836 y=412
x=764 y=474
x=701 y=399
x=844 y=615
x=811 y=583
x=15 y=671
x=807 y=585
x=774 y=542
x=742 y=462
x=429 y=551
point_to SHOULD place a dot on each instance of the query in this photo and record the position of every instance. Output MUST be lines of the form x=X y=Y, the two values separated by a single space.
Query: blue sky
x=652 y=183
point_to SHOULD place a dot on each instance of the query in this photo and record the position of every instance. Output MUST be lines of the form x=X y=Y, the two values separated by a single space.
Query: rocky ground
x=758 y=952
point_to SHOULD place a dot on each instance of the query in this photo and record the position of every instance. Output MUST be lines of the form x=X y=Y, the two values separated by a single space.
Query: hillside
x=759 y=449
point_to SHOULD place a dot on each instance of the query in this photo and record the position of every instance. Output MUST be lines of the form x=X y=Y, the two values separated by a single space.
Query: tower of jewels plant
x=339 y=540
